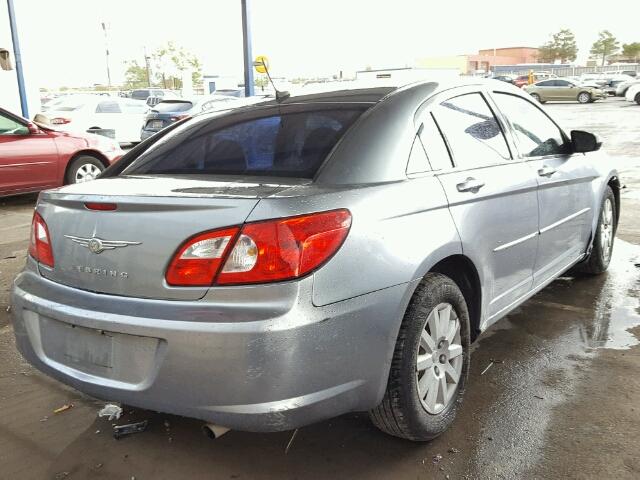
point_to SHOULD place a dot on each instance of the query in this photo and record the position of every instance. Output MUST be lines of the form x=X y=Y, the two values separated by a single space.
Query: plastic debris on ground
x=111 y=410
x=120 y=431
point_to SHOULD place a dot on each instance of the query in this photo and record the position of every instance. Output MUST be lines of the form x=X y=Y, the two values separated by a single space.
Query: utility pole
x=146 y=62
x=106 y=49
x=246 y=48
x=18 y=56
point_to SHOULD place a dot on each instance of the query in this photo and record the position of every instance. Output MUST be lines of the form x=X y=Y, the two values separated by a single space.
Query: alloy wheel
x=87 y=172
x=439 y=360
x=606 y=230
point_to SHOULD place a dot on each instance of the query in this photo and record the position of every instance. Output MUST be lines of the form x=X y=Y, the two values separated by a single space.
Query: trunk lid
x=154 y=216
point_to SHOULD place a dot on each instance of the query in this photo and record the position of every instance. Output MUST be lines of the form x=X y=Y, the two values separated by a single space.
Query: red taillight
x=103 y=207
x=261 y=252
x=60 y=121
x=198 y=260
x=40 y=244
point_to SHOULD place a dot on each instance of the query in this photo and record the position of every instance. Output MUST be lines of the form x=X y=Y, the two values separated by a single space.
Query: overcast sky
x=63 y=43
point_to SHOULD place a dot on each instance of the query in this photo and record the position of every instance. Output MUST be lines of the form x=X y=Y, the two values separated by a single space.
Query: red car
x=34 y=157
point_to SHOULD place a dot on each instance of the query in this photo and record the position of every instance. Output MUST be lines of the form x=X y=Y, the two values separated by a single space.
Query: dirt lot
x=561 y=398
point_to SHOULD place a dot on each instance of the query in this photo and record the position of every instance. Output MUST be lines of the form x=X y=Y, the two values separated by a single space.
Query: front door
x=28 y=161
x=564 y=193
x=492 y=199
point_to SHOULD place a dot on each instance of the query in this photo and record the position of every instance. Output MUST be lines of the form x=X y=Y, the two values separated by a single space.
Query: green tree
x=170 y=61
x=562 y=46
x=631 y=50
x=135 y=75
x=605 y=45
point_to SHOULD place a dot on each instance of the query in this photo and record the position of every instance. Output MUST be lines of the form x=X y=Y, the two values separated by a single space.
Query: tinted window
x=292 y=145
x=546 y=83
x=164 y=107
x=562 y=83
x=11 y=127
x=472 y=131
x=140 y=94
x=434 y=145
x=108 y=106
x=535 y=133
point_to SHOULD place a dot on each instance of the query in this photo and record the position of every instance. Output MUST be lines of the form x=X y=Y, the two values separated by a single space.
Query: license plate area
x=155 y=124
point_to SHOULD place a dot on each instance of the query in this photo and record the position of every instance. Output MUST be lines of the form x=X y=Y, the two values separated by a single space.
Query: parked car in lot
x=35 y=157
x=523 y=80
x=561 y=89
x=505 y=78
x=119 y=118
x=282 y=263
x=168 y=112
x=621 y=88
x=143 y=94
x=633 y=93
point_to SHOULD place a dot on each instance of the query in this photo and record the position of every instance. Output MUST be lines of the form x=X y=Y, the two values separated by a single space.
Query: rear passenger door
x=492 y=198
x=564 y=185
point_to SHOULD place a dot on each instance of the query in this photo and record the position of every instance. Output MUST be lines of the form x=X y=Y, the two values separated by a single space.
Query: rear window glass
x=289 y=144
x=140 y=94
x=164 y=107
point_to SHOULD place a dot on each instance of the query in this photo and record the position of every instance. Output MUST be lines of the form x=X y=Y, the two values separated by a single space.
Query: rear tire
x=584 y=97
x=600 y=256
x=83 y=169
x=432 y=348
x=637 y=98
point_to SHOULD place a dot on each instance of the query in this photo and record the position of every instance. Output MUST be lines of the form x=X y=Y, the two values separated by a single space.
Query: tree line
x=562 y=46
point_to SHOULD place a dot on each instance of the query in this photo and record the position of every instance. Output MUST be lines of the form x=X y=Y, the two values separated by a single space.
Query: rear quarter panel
x=399 y=231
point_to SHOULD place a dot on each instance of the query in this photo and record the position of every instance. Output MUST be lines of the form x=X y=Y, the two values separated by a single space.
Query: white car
x=633 y=93
x=118 y=118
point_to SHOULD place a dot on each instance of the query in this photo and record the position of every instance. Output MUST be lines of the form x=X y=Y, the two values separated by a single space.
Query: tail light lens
x=198 y=260
x=260 y=252
x=40 y=244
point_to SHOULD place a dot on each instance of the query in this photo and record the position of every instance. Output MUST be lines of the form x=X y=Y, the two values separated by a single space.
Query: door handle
x=470 y=185
x=546 y=171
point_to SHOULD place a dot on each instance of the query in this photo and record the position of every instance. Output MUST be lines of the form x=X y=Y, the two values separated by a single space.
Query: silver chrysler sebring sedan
x=283 y=263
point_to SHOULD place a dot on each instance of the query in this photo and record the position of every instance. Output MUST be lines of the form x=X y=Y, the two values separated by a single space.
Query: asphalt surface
x=560 y=398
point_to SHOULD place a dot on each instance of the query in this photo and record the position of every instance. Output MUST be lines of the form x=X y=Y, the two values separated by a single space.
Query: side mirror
x=584 y=141
x=33 y=128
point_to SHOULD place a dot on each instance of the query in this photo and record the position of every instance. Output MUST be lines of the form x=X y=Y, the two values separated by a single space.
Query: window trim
x=512 y=129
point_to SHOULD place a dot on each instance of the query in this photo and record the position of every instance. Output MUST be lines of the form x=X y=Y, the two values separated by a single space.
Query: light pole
x=106 y=49
x=16 y=53
x=246 y=48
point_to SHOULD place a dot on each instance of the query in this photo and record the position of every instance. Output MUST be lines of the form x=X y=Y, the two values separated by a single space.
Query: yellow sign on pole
x=261 y=64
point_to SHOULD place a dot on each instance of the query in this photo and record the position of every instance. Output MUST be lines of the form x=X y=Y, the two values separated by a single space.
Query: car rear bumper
x=248 y=358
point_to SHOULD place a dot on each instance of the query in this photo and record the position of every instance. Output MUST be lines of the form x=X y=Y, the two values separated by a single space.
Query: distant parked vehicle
x=168 y=112
x=633 y=93
x=159 y=93
x=561 y=89
x=523 y=80
x=35 y=157
x=118 y=118
x=631 y=73
x=505 y=78
x=621 y=88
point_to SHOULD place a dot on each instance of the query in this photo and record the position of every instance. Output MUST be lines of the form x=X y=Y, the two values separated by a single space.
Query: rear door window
x=472 y=131
x=287 y=144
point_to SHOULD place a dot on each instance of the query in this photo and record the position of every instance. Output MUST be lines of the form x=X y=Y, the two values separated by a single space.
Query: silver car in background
x=283 y=263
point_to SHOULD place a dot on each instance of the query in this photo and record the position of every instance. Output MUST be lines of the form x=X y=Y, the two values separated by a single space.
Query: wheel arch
x=614 y=184
x=464 y=273
x=85 y=153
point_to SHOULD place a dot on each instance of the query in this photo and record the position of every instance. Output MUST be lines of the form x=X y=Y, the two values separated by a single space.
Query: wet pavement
x=559 y=396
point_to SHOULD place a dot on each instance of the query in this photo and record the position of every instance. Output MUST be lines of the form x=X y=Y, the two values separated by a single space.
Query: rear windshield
x=286 y=144
x=164 y=107
x=140 y=94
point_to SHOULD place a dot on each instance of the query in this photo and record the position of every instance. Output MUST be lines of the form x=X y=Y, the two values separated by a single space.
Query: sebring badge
x=97 y=245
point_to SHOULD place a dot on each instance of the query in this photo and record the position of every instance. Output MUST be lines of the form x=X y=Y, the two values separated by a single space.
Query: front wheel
x=83 y=169
x=637 y=98
x=600 y=256
x=536 y=97
x=584 y=97
x=430 y=363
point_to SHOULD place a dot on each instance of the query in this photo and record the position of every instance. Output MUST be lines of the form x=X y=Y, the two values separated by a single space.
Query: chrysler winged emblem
x=97 y=245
